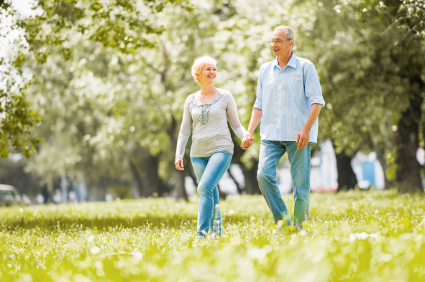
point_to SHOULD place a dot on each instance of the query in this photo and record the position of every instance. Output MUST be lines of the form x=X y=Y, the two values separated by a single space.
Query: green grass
x=153 y=240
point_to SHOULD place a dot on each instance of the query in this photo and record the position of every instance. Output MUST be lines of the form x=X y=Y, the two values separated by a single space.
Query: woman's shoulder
x=190 y=97
x=226 y=94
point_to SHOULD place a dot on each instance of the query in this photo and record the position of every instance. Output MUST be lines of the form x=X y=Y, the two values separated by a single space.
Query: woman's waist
x=212 y=133
x=212 y=140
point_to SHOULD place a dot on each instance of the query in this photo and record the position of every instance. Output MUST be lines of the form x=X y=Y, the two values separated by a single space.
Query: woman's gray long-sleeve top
x=208 y=124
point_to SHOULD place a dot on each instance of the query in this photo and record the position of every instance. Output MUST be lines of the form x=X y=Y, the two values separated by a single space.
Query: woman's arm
x=185 y=130
x=232 y=115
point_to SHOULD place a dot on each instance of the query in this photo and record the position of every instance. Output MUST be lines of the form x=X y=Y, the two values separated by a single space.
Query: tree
x=121 y=26
x=116 y=101
x=17 y=133
x=372 y=79
x=411 y=15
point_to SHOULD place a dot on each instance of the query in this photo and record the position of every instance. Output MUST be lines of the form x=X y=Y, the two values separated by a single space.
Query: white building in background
x=368 y=171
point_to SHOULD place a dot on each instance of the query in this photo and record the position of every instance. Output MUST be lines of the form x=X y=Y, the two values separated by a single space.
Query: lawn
x=351 y=236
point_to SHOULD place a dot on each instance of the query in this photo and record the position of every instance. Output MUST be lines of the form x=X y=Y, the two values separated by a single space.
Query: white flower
x=94 y=250
x=137 y=255
x=259 y=254
x=363 y=236
x=90 y=239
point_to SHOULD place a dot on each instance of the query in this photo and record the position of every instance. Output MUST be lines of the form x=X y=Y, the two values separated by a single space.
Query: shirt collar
x=292 y=61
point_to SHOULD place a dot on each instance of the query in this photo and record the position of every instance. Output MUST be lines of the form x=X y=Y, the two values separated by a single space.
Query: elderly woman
x=205 y=115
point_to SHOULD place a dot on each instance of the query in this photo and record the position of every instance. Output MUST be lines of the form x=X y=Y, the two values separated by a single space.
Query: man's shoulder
x=304 y=62
x=267 y=65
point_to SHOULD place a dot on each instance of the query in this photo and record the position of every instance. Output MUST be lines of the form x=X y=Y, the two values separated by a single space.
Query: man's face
x=280 y=45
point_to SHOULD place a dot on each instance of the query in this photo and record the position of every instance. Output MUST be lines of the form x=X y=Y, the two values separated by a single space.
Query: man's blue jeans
x=270 y=154
x=209 y=171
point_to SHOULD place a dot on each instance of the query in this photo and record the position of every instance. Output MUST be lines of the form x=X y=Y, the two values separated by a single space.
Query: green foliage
x=111 y=77
x=356 y=236
x=412 y=16
x=17 y=133
x=19 y=121
x=112 y=103
x=122 y=25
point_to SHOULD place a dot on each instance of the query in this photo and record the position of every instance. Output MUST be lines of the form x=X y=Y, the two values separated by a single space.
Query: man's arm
x=256 y=117
x=304 y=134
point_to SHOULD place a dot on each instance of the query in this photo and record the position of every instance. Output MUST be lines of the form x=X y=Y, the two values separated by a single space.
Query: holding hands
x=179 y=164
x=247 y=141
x=302 y=139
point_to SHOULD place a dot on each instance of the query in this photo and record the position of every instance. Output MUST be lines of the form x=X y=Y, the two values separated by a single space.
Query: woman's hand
x=179 y=164
x=247 y=141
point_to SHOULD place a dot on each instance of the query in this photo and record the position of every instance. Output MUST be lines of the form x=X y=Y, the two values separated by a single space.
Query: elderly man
x=288 y=103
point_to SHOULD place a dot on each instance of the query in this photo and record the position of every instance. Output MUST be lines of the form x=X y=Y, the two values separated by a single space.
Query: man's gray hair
x=289 y=33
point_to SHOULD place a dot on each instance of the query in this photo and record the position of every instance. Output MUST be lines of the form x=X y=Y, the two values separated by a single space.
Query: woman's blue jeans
x=209 y=171
x=300 y=160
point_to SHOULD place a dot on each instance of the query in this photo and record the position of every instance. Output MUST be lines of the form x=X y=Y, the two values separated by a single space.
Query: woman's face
x=208 y=73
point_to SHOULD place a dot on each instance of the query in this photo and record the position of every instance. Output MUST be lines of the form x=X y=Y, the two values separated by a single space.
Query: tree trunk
x=152 y=183
x=145 y=175
x=346 y=177
x=250 y=175
x=408 y=169
x=380 y=155
x=64 y=188
x=136 y=177
x=179 y=185
x=238 y=186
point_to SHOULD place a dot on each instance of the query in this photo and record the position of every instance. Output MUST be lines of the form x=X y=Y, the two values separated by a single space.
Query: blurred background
x=92 y=93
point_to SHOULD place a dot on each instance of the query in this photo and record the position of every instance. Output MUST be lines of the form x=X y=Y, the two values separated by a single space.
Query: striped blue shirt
x=285 y=96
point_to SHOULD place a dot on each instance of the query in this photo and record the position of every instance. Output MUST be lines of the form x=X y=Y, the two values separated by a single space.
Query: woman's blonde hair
x=199 y=64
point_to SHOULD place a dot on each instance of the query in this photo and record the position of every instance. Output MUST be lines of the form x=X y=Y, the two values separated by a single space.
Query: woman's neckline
x=218 y=94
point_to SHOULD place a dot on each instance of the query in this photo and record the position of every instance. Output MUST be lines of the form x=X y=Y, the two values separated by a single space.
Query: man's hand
x=303 y=137
x=247 y=141
x=179 y=164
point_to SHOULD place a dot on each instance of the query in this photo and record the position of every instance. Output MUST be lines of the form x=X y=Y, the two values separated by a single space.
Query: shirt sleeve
x=185 y=130
x=232 y=116
x=313 y=91
x=258 y=101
